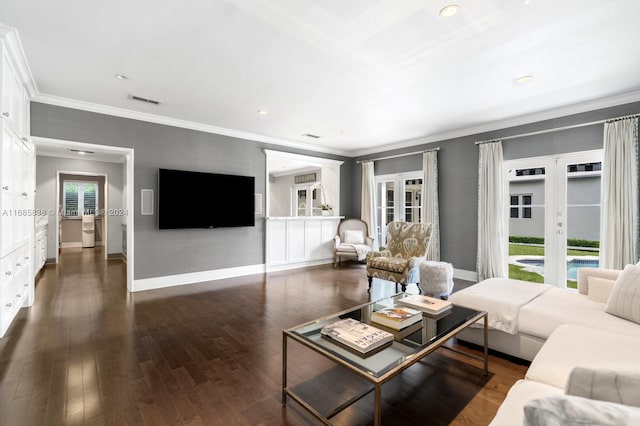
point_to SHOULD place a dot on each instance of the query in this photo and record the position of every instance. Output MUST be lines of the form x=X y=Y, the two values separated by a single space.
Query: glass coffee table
x=408 y=347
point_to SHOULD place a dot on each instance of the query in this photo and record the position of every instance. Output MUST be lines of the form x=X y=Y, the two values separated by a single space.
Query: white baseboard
x=78 y=244
x=195 y=277
x=465 y=275
x=71 y=245
x=285 y=267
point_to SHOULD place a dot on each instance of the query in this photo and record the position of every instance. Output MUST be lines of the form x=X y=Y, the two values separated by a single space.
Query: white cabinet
x=40 y=252
x=16 y=193
x=15 y=104
x=299 y=241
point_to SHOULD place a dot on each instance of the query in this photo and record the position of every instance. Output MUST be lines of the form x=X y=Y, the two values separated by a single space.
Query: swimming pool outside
x=536 y=264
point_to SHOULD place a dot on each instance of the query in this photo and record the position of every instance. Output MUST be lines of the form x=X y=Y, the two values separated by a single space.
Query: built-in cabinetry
x=40 y=252
x=17 y=193
x=300 y=241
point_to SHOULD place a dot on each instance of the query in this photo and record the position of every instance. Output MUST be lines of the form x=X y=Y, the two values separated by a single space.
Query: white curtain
x=430 y=212
x=491 y=260
x=368 y=201
x=619 y=226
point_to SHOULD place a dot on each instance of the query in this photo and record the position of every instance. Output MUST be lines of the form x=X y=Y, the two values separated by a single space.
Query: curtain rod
x=557 y=129
x=399 y=155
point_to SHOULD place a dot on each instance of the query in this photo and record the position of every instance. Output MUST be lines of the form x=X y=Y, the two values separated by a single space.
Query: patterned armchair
x=407 y=245
x=352 y=242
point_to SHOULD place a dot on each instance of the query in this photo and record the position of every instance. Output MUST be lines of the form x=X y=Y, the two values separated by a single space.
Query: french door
x=398 y=198
x=553 y=216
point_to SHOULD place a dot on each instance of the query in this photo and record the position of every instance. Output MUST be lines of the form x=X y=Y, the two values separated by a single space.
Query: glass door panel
x=526 y=223
x=412 y=200
x=301 y=202
x=583 y=183
x=385 y=211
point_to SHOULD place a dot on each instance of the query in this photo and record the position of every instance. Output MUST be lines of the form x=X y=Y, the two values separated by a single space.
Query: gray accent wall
x=458 y=171
x=161 y=253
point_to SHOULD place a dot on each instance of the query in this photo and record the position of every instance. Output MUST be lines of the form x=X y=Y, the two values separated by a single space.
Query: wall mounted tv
x=204 y=200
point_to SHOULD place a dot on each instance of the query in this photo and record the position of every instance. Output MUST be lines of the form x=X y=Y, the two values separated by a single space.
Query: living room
x=189 y=139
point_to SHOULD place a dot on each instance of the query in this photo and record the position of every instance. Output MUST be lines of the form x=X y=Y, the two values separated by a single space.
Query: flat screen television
x=204 y=200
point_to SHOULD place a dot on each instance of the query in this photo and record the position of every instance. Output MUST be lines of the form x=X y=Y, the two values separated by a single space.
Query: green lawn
x=526 y=250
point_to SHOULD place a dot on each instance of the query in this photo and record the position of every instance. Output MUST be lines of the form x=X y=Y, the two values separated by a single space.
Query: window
x=80 y=198
x=520 y=206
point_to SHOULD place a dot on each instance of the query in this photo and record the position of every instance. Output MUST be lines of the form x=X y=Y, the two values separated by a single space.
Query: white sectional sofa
x=539 y=317
x=568 y=347
x=570 y=337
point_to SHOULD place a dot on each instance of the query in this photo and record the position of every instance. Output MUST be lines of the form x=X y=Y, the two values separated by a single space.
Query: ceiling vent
x=309 y=135
x=141 y=99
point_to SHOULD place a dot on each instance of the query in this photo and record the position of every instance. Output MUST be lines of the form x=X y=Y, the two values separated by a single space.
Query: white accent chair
x=352 y=242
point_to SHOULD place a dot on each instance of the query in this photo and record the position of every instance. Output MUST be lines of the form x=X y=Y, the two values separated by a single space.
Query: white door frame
x=128 y=154
x=555 y=187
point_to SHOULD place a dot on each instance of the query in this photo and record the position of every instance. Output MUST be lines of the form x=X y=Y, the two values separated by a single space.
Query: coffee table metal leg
x=377 y=411
x=284 y=369
x=486 y=344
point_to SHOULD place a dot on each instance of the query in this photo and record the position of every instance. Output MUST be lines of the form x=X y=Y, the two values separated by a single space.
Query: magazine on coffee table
x=356 y=335
x=427 y=304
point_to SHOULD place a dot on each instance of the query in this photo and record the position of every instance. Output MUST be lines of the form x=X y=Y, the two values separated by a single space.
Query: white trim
x=174 y=122
x=505 y=124
x=462 y=274
x=195 y=277
x=71 y=245
x=16 y=52
x=287 y=266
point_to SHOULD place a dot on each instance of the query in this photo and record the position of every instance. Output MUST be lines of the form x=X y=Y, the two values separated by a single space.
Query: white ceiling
x=364 y=75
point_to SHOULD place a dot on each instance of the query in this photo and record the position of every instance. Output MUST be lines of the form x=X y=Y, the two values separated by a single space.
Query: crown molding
x=159 y=119
x=12 y=41
x=507 y=123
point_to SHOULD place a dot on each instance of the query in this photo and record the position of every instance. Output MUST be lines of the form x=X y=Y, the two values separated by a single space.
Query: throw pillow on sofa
x=599 y=289
x=624 y=301
x=605 y=385
x=567 y=410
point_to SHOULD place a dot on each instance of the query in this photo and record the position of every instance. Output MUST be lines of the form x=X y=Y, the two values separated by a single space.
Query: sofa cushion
x=511 y=411
x=566 y=410
x=625 y=296
x=353 y=236
x=605 y=385
x=393 y=264
x=571 y=346
x=599 y=289
x=541 y=316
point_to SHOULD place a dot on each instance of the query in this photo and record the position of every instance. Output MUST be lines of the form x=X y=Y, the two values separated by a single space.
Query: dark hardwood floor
x=210 y=354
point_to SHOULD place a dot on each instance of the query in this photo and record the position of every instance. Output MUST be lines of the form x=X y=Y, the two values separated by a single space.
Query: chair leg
x=419 y=288
x=370 y=279
x=403 y=286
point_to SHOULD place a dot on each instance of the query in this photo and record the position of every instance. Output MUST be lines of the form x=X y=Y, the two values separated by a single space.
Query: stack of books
x=397 y=317
x=429 y=305
x=356 y=335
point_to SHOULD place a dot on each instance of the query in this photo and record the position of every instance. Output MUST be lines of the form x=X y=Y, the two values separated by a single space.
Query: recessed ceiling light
x=262 y=112
x=524 y=79
x=449 y=10
x=78 y=151
x=121 y=77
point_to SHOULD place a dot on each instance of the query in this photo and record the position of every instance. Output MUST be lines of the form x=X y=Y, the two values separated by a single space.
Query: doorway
x=553 y=216
x=47 y=181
